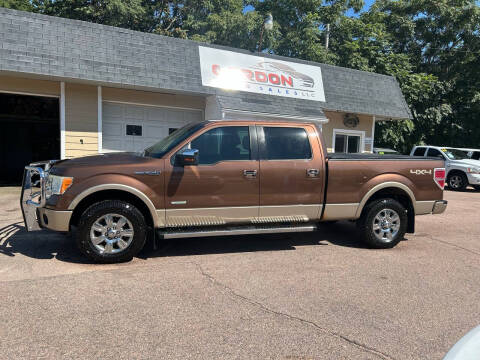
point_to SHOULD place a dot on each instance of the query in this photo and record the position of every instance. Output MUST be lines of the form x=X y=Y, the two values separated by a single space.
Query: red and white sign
x=235 y=71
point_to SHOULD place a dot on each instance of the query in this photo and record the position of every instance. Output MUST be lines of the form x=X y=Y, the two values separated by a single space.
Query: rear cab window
x=285 y=143
x=419 y=151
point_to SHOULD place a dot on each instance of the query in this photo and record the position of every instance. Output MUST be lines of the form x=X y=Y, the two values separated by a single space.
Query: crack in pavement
x=263 y=307
x=449 y=244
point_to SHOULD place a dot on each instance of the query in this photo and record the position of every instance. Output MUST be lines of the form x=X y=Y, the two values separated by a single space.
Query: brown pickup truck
x=228 y=178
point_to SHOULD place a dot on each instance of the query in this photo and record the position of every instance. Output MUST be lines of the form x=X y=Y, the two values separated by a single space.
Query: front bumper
x=32 y=201
x=54 y=220
x=473 y=179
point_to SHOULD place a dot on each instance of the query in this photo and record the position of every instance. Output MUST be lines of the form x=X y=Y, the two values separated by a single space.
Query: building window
x=348 y=141
x=134 y=130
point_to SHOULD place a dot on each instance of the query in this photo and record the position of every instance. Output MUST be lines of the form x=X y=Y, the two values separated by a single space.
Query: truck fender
x=122 y=187
x=384 y=185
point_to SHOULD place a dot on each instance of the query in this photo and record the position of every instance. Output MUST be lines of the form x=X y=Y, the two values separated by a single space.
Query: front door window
x=229 y=143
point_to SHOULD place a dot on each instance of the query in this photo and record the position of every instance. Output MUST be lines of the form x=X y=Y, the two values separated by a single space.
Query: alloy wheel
x=111 y=233
x=386 y=225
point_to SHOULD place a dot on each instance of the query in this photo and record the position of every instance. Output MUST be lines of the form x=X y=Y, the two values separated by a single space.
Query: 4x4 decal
x=421 y=172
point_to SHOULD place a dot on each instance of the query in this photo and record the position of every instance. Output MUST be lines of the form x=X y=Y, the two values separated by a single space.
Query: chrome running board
x=246 y=230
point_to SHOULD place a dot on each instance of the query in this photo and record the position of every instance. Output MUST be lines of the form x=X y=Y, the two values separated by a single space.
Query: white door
x=127 y=127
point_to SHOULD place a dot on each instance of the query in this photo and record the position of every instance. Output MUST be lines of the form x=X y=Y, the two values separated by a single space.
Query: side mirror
x=186 y=157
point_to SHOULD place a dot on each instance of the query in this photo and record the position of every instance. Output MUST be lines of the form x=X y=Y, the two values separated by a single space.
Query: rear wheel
x=457 y=181
x=383 y=223
x=111 y=231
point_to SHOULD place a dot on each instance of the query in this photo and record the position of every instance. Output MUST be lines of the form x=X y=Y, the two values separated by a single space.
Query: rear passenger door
x=291 y=173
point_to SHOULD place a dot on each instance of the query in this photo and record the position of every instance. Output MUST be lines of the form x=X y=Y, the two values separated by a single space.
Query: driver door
x=223 y=188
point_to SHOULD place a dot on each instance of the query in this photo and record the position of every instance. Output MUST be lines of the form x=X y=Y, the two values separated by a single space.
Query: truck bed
x=345 y=156
x=351 y=176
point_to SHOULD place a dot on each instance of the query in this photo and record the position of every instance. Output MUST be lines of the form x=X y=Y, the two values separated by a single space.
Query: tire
x=97 y=230
x=375 y=232
x=476 y=187
x=457 y=181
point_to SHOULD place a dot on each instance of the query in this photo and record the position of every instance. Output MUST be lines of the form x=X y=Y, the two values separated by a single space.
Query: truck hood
x=466 y=163
x=101 y=163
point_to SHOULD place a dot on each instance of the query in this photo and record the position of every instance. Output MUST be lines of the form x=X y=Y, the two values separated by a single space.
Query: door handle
x=250 y=173
x=313 y=172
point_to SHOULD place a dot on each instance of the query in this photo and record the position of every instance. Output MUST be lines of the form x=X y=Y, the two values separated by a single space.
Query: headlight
x=57 y=185
x=474 y=170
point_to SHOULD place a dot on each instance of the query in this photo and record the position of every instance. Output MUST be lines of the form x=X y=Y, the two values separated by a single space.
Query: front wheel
x=111 y=231
x=383 y=223
x=457 y=181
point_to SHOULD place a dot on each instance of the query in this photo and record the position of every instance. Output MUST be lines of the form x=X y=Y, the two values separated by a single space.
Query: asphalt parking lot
x=303 y=296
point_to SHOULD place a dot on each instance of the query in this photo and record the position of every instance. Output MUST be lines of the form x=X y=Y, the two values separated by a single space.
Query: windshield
x=454 y=154
x=159 y=149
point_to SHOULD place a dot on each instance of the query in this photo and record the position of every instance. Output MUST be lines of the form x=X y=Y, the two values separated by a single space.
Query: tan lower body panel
x=210 y=216
x=348 y=211
x=288 y=213
x=240 y=215
x=340 y=211
x=56 y=220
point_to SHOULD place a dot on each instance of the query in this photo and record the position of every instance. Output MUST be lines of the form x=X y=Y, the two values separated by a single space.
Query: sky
x=368 y=3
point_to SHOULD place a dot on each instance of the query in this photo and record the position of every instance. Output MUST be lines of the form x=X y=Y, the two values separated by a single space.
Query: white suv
x=461 y=170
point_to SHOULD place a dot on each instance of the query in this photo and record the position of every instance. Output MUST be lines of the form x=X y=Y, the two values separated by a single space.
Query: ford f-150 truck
x=228 y=178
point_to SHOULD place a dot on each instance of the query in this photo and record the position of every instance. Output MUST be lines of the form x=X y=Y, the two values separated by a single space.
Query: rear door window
x=419 y=151
x=286 y=143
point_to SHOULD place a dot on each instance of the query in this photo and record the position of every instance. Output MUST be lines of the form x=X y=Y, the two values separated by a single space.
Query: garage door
x=129 y=127
x=29 y=132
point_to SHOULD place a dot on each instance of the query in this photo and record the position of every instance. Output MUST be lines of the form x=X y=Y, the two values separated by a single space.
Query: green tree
x=213 y=21
x=441 y=39
x=24 y=5
x=365 y=43
x=300 y=25
x=130 y=14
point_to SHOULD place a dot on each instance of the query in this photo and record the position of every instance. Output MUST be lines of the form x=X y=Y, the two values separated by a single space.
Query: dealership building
x=71 y=88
